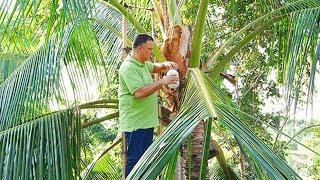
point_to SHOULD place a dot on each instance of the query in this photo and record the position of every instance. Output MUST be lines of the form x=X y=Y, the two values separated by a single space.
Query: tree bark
x=191 y=151
x=176 y=49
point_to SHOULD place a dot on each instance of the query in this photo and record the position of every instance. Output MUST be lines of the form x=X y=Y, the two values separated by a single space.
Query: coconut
x=173 y=72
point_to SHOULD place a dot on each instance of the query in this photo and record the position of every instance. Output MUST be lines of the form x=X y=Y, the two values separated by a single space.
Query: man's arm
x=152 y=88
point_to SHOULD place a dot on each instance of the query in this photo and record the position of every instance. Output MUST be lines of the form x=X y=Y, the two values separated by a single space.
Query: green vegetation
x=255 y=68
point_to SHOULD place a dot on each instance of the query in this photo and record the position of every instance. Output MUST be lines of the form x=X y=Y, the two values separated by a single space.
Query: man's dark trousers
x=137 y=143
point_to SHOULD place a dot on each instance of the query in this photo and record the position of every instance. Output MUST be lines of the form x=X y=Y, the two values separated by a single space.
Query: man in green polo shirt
x=138 y=103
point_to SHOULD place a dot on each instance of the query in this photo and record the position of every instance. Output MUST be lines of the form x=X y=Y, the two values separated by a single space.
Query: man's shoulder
x=124 y=64
x=127 y=65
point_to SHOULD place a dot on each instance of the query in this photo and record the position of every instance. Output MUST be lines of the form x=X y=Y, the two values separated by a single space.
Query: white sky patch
x=272 y=75
x=88 y=90
x=261 y=49
x=219 y=10
x=273 y=105
x=217 y=15
x=7 y=5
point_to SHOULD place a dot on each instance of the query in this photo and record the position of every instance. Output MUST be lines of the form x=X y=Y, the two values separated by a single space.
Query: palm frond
x=303 y=40
x=102 y=167
x=197 y=37
x=216 y=172
x=212 y=103
x=63 y=69
x=108 y=25
x=173 y=11
x=23 y=24
x=137 y=24
x=8 y=63
x=296 y=35
x=159 y=153
x=171 y=168
x=274 y=16
x=58 y=75
x=44 y=147
x=266 y=159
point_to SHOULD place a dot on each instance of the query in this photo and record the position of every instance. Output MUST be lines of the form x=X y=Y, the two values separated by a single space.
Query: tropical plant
x=57 y=57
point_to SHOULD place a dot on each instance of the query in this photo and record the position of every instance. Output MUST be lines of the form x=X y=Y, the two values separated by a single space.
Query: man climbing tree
x=138 y=103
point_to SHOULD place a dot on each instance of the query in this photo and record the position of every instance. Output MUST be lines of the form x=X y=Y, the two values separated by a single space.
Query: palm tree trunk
x=191 y=152
x=176 y=49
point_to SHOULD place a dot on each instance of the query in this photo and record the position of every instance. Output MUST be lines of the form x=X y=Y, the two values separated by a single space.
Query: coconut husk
x=176 y=48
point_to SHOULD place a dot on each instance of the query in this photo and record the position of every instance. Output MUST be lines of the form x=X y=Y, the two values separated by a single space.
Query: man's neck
x=136 y=57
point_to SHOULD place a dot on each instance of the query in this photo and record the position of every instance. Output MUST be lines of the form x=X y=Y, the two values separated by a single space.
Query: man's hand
x=159 y=67
x=169 y=65
x=172 y=79
x=152 y=88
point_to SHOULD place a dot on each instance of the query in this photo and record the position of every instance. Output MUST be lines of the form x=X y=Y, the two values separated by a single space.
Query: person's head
x=142 y=46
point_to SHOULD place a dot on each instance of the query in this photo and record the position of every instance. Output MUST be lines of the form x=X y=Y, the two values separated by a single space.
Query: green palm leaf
x=266 y=159
x=56 y=76
x=156 y=50
x=102 y=167
x=197 y=37
x=303 y=41
x=81 y=48
x=263 y=21
x=8 y=63
x=44 y=147
x=192 y=111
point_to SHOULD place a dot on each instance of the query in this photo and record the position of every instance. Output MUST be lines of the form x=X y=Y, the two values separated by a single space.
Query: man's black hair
x=140 y=39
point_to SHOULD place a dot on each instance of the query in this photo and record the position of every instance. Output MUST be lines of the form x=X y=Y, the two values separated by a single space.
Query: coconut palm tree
x=68 y=50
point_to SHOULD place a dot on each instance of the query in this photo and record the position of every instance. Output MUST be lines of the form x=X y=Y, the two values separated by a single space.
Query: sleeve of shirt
x=132 y=79
x=150 y=66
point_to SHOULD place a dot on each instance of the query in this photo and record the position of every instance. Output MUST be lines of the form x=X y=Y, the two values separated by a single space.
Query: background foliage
x=90 y=58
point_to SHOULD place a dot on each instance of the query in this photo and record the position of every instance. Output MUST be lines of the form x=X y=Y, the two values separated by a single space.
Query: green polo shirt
x=136 y=113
